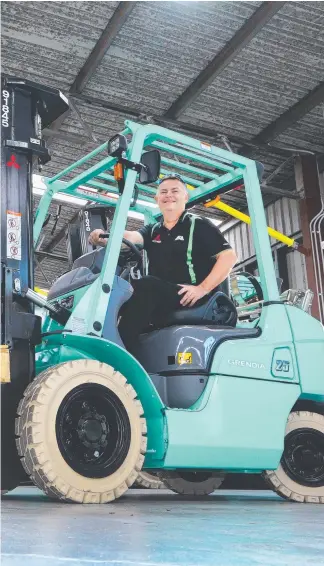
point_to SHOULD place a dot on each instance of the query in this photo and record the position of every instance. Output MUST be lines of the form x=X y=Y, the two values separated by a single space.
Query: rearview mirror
x=152 y=162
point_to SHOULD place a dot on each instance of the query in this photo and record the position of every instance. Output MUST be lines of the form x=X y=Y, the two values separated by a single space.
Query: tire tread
x=271 y=478
x=30 y=451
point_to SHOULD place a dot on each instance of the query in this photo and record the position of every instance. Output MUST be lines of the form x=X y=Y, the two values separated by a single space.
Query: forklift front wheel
x=81 y=432
x=191 y=482
x=300 y=475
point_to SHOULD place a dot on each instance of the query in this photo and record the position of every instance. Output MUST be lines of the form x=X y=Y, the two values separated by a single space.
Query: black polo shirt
x=168 y=254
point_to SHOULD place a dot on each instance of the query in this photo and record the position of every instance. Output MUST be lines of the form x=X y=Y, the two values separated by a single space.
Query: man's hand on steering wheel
x=95 y=239
x=99 y=238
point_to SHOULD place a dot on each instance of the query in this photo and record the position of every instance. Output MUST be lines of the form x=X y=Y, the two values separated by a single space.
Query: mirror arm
x=138 y=167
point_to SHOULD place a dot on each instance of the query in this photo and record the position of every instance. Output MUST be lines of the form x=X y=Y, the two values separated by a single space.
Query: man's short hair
x=173 y=176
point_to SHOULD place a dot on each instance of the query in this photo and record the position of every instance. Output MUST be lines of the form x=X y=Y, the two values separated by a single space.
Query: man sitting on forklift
x=188 y=258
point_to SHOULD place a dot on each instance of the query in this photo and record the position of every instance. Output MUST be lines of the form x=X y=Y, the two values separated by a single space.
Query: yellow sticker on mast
x=13 y=235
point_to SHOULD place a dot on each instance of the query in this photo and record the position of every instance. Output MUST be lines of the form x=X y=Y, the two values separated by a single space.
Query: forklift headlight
x=117 y=145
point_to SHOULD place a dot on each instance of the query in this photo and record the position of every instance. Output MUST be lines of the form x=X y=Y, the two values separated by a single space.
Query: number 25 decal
x=282 y=365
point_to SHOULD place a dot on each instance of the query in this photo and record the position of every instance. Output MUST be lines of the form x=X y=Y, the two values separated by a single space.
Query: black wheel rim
x=93 y=431
x=195 y=477
x=303 y=457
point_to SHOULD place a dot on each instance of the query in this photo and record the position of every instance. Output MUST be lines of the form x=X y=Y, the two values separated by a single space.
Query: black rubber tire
x=37 y=440
x=148 y=481
x=279 y=481
x=177 y=482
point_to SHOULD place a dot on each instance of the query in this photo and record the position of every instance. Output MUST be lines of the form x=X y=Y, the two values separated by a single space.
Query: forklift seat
x=84 y=271
x=71 y=281
x=217 y=310
x=92 y=260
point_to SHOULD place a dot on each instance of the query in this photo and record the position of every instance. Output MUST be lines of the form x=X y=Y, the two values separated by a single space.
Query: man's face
x=171 y=196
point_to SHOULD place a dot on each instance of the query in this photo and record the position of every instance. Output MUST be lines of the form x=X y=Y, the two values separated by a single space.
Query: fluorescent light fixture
x=60 y=197
x=39 y=184
x=39 y=188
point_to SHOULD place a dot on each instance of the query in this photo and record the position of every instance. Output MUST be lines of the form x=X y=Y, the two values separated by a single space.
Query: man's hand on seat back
x=191 y=294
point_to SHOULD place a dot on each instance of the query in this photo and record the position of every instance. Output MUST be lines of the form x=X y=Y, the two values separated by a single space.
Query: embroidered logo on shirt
x=179 y=238
x=157 y=239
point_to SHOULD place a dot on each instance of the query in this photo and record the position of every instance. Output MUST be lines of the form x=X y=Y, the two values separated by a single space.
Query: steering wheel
x=246 y=294
x=135 y=249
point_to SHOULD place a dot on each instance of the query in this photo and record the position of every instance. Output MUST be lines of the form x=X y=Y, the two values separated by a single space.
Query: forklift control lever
x=57 y=312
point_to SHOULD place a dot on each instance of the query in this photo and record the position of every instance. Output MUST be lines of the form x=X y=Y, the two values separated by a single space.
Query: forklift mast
x=26 y=108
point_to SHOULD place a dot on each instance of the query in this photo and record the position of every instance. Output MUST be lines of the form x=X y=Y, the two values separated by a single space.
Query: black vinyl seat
x=217 y=310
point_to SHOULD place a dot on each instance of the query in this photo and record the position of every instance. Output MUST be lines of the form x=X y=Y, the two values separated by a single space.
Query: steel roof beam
x=279 y=192
x=241 y=39
x=170 y=122
x=66 y=136
x=314 y=98
x=45 y=255
x=113 y=27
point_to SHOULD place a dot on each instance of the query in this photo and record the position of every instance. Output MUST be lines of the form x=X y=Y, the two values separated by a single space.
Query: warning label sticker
x=78 y=325
x=184 y=358
x=205 y=146
x=13 y=235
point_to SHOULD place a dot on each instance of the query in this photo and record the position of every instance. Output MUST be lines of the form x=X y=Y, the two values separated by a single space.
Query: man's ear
x=187 y=196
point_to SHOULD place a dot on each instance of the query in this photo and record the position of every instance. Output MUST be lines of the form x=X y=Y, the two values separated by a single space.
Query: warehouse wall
x=296 y=267
x=283 y=215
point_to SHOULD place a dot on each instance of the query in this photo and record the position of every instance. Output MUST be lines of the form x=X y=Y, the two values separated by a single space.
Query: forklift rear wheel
x=191 y=482
x=149 y=480
x=81 y=432
x=300 y=475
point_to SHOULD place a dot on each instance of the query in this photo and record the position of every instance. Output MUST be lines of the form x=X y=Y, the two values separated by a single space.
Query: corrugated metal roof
x=159 y=51
x=309 y=129
x=279 y=66
x=49 y=41
x=162 y=47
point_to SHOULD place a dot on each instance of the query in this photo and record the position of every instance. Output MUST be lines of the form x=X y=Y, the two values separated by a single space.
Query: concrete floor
x=151 y=528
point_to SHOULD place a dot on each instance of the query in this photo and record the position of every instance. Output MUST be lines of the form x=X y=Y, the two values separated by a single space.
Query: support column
x=307 y=184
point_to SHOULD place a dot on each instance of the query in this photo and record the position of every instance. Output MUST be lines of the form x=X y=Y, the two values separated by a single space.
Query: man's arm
x=212 y=243
x=132 y=235
x=221 y=270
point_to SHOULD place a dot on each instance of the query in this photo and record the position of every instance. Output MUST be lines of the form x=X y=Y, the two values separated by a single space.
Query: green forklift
x=205 y=395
